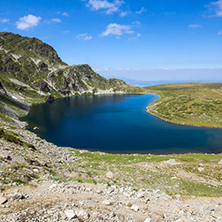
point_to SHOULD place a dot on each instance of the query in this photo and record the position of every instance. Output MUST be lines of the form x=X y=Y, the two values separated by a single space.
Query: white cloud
x=123 y=14
x=4 y=20
x=27 y=22
x=137 y=24
x=117 y=29
x=217 y=7
x=142 y=10
x=135 y=38
x=105 y=5
x=84 y=37
x=220 y=32
x=65 y=14
x=194 y=26
x=56 y=20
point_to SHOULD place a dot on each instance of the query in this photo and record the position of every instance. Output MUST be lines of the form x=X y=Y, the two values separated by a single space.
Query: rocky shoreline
x=54 y=194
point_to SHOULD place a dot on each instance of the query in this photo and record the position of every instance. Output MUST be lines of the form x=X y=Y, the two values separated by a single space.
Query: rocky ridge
x=32 y=72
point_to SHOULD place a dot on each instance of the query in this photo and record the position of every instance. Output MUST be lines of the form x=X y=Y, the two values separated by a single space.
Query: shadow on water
x=117 y=124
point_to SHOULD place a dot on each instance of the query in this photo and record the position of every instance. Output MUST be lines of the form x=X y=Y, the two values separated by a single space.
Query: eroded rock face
x=42 y=85
x=58 y=72
x=50 y=98
x=42 y=65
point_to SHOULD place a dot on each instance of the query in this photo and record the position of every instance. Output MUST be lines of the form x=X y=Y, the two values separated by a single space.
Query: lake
x=117 y=124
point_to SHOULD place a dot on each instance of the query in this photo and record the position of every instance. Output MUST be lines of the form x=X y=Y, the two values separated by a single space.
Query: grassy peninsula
x=197 y=104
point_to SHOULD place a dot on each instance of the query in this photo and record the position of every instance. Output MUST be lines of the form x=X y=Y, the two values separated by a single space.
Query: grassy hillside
x=31 y=72
x=27 y=159
x=198 y=104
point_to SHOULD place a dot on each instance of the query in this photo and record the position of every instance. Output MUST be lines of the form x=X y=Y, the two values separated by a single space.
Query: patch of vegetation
x=197 y=104
x=153 y=171
x=8 y=136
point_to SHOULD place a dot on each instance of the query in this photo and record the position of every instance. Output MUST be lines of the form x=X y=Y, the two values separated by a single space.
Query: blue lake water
x=117 y=124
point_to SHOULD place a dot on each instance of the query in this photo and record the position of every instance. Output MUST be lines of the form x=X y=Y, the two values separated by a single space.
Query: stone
x=148 y=219
x=109 y=175
x=50 y=98
x=112 y=215
x=3 y=200
x=140 y=195
x=52 y=186
x=18 y=196
x=83 y=214
x=134 y=207
x=70 y=214
x=108 y=202
x=200 y=169
x=171 y=162
x=128 y=204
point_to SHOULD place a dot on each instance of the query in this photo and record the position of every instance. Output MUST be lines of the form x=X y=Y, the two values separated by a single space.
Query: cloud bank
x=27 y=22
x=117 y=29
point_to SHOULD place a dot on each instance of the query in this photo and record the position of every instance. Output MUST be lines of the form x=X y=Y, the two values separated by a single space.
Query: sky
x=141 y=40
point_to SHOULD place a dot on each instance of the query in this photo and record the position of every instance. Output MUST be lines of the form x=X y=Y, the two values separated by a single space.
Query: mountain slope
x=32 y=72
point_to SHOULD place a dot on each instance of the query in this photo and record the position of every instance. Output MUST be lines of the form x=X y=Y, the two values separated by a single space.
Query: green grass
x=154 y=171
x=10 y=137
x=198 y=104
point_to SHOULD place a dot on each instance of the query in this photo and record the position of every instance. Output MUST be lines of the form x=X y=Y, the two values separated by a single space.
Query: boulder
x=134 y=207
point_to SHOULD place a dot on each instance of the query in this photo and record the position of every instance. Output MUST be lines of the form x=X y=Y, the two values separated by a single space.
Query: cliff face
x=32 y=72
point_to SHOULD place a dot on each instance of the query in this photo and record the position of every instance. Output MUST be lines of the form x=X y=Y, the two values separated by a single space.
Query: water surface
x=117 y=124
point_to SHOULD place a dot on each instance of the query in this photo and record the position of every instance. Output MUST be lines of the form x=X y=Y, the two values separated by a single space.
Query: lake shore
x=191 y=104
x=105 y=114
x=42 y=181
x=52 y=181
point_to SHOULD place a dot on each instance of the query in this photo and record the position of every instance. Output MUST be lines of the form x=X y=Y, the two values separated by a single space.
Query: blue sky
x=156 y=40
